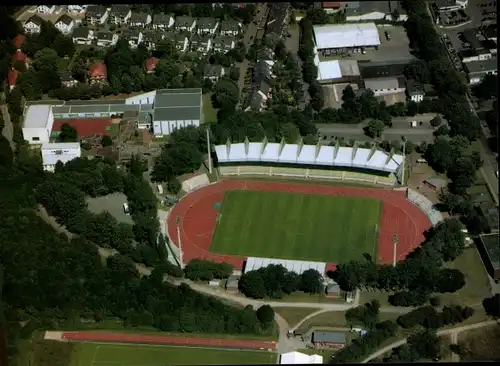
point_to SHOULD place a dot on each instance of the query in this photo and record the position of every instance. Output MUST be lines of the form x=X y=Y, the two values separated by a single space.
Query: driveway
x=8 y=130
x=400 y=127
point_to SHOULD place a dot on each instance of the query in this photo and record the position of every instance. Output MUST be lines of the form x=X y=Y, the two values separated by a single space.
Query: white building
x=63 y=152
x=45 y=9
x=337 y=70
x=299 y=267
x=339 y=38
x=294 y=358
x=33 y=25
x=38 y=122
x=77 y=9
x=385 y=86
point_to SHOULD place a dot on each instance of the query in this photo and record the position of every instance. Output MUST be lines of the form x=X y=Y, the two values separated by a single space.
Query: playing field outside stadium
x=296 y=226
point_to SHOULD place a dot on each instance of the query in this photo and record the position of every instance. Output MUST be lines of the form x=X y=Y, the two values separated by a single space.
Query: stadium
x=252 y=222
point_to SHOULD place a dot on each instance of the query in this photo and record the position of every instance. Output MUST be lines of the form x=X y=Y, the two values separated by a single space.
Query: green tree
x=375 y=128
x=106 y=141
x=67 y=133
x=265 y=314
x=311 y=281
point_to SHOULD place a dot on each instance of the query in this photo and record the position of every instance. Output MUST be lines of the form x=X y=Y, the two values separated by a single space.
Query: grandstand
x=299 y=267
x=311 y=161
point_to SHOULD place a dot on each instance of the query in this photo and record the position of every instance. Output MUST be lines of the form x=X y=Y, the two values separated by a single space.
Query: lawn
x=209 y=113
x=91 y=354
x=294 y=315
x=296 y=226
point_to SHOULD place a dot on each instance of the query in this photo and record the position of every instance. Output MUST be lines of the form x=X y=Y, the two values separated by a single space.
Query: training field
x=92 y=354
x=296 y=226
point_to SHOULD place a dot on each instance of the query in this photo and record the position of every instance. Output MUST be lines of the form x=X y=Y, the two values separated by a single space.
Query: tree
x=176 y=160
x=67 y=133
x=375 y=128
x=435 y=301
x=234 y=74
x=311 y=281
x=436 y=121
x=106 y=141
x=265 y=314
x=226 y=94
x=290 y=133
x=449 y=280
x=488 y=88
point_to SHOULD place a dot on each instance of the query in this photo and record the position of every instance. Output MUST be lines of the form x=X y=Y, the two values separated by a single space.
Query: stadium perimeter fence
x=425 y=205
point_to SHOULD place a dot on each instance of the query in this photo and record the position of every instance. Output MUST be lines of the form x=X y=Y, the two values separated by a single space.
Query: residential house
x=181 y=41
x=67 y=79
x=18 y=41
x=150 y=64
x=223 y=44
x=96 y=14
x=133 y=36
x=106 y=39
x=163 y=21
x=471 y=55
x=448 y=5
x=262 y=71
x=20 y=56
x=257 y=102
x=230 y=28
x=206 y=26
x=33 y=25
x=277 y=20
x=185 y=23
x=120 y=14
x=12 y=78
x=140 y=20
x=65 y=24
x=414 y=90
x=332 y=289
x=330 y=7
x=45 y=9
x=477 y=70
x=490 y=32
x=201 y=44
x=98 y=73
x=213 y=72
x=357 y=11
x=265 y=90
x=77 y=9
x=151 y=39
x=82 y=36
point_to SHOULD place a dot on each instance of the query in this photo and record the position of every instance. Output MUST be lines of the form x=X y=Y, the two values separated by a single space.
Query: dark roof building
x=277 y=19
x=376 y=70
x=329 y=338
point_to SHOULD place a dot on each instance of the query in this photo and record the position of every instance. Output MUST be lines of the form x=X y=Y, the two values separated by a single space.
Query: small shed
x=328 y=339
x=435 y=183
x=332 y=289
x=232 y=283
x=214 y=283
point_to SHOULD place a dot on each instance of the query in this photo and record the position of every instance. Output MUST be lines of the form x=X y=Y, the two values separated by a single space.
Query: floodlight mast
x=179 y=241
x=209 y=152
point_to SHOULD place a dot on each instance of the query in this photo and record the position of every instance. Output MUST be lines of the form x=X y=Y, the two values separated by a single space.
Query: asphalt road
x=490 y=167
x=400 y=127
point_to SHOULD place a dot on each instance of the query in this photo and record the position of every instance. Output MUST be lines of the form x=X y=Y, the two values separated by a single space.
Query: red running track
x=166 y=340
x=399 y=216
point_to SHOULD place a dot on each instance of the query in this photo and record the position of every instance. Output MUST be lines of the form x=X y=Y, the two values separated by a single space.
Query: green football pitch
x=296 y=226
x=92 y=354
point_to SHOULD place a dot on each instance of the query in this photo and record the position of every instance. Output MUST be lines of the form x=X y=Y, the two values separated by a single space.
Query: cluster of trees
x=274 y=281
x=366 y=314
x=309 y=68
x=203 y=270
x=423 y=345
x=63 y=194
x=361 y=348
x=421 y=271
x=437 y=69
x=430 y=318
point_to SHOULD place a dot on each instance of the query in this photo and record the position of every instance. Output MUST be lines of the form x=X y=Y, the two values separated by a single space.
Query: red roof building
x=12 y=77
x=332 y=4
x=98 y=73
x=150 y=64
x=18 y=41
x=19 y=56
x=85 y=127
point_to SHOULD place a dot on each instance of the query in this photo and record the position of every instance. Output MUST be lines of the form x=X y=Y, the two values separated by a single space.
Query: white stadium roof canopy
x=320 y=155
x=294 y=358
x=346 y=35
x=299 y=267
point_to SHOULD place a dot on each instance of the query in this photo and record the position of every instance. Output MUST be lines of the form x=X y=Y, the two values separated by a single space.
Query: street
x=400 y=127
x=490 y=167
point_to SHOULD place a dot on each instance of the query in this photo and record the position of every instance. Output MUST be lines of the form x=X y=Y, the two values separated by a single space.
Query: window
x=58 y=152
x=35 y=138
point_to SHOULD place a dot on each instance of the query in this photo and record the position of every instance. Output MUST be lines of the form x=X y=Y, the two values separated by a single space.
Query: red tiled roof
x=86 y=127
x=18 y=56
x=12 y=76
x=18 y=41
x=98 y=70
x=150 y=63
x=332 y=4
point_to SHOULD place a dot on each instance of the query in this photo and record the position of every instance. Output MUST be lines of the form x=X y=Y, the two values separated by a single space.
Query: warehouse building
x=489 y=249
x=386 y=85
x=477 y=70
x=328 y=339
x=334 y=39
x=298 y=358
x=299 y=267
x=338 y=71
x=161 y=111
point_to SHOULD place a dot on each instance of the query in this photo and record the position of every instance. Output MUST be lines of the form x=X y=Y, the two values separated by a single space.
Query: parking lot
x=113 y=203
x=395 y=49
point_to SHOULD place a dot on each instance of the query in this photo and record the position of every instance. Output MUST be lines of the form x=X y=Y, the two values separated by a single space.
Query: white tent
x=293 y=358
